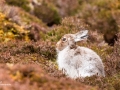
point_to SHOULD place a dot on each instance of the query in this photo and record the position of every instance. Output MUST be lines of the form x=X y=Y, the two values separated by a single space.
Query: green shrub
x=68 y=25
x=10 y=30
x=102 y=15
x=48 y=13
x=22 y=3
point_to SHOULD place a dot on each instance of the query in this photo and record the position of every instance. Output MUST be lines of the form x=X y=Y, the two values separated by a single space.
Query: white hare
x=76 y=61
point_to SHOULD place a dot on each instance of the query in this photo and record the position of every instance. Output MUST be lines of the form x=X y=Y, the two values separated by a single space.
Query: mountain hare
x=76 y=61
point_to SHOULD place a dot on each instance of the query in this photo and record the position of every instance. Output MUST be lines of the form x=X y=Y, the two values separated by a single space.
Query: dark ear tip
x=85 y=30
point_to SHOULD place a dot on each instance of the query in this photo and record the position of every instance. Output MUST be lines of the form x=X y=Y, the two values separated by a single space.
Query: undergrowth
x=27 y=45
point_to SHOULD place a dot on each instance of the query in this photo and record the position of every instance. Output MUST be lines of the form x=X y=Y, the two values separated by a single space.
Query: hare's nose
x=57 y=44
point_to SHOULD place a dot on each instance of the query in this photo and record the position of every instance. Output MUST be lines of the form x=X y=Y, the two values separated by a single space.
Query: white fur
x=79 y=66
x=79 y=62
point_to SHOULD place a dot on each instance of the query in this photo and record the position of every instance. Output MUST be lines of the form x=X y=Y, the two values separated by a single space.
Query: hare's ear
x=82 y=35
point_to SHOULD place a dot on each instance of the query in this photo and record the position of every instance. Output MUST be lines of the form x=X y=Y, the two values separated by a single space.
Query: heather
x=30 y=29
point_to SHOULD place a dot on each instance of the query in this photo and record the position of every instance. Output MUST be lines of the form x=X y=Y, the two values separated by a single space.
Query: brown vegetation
x=27 y=44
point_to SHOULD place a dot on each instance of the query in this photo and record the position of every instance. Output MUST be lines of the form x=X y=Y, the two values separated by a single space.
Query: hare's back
x=91 y=61
x=89 y=54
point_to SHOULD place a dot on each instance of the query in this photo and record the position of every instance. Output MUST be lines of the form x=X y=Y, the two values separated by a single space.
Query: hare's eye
x=63 y=39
